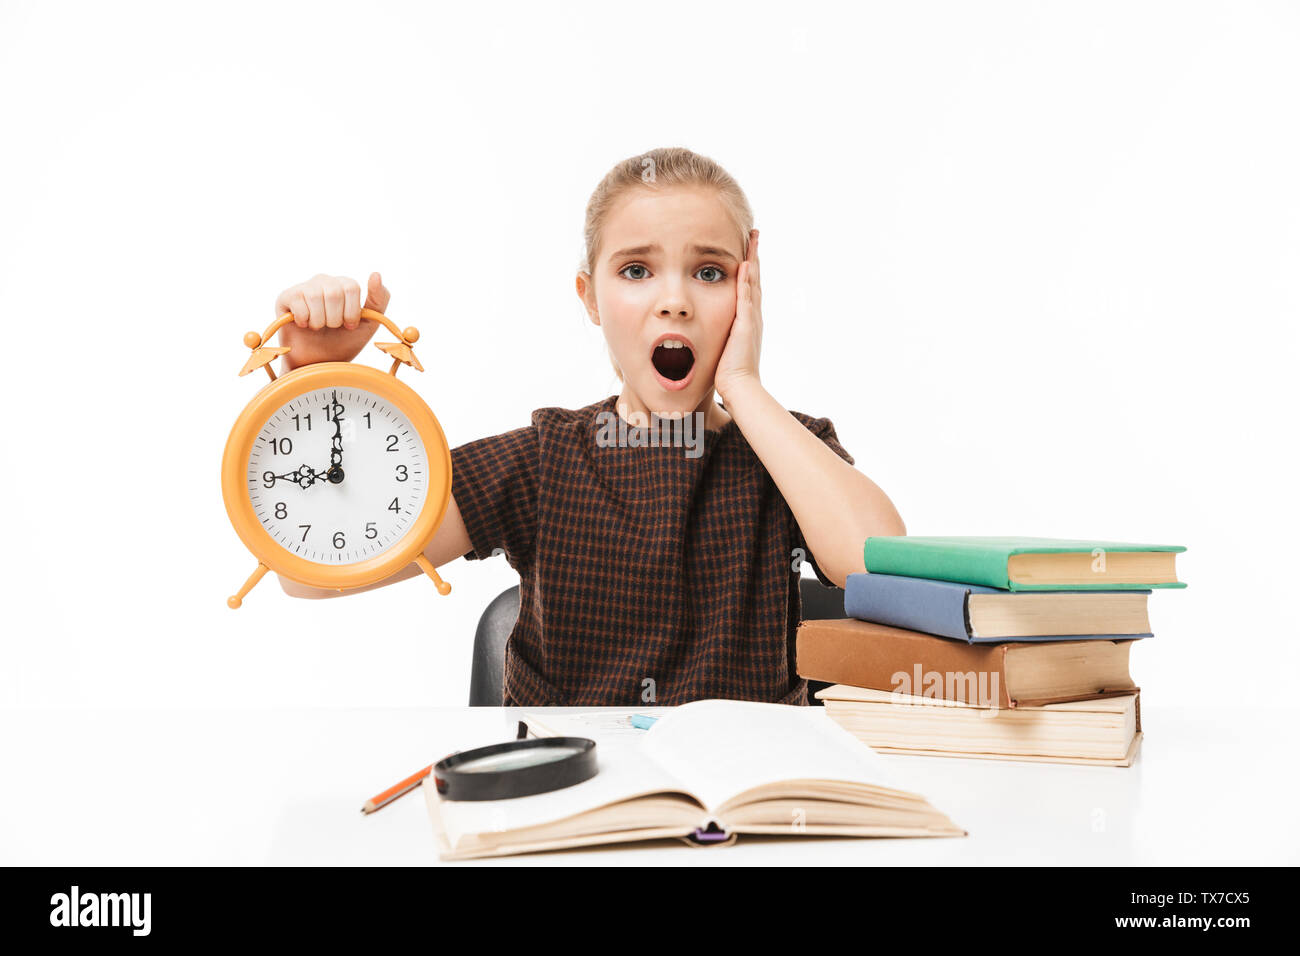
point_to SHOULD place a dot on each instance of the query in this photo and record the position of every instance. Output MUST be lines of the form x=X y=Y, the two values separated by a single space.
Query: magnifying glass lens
x=514 y=761
x=519 y=768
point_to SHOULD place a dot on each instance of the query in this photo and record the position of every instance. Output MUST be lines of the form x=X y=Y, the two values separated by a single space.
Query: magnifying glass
x=519 y=768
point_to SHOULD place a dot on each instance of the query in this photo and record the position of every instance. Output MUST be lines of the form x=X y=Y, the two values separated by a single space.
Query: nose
x=673 y=300
x=674 y=306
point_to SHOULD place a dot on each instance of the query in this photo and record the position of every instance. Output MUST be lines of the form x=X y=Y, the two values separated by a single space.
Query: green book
x=1027 y=564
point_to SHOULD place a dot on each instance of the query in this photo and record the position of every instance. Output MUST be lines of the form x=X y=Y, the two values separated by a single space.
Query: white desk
x=133 y=788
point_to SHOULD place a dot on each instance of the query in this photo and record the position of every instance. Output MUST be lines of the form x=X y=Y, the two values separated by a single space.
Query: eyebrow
x=698 y=250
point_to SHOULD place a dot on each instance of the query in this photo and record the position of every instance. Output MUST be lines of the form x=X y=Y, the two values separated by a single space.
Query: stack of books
x=1000 y=648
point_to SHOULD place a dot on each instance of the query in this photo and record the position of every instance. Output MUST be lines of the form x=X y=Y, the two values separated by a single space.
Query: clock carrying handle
x=400 y=351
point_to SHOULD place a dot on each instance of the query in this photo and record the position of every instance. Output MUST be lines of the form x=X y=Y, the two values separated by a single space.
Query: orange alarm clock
x=336 y=475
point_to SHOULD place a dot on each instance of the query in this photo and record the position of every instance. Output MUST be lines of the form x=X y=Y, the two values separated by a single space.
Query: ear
x=587 y=293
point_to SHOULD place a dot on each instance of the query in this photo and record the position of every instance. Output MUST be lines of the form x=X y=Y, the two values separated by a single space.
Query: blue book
x=983 y=615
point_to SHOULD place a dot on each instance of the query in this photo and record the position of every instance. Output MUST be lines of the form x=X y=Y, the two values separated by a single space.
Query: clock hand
x=335 y=473
x=304 y=477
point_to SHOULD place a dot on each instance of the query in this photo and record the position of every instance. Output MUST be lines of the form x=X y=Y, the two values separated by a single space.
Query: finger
x=292 y=300
x=301 y=310
x=351 y=303
x=315 y=295
x=377 y=297
x=753 y=255
x=333 y=304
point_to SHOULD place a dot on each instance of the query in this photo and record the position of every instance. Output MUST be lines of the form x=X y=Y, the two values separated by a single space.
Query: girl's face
x=666 y=273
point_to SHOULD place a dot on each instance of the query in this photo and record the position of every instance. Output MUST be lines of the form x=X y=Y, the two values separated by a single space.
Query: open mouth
x=673 y=359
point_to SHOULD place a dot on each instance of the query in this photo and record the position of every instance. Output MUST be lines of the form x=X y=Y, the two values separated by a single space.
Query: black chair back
x=487 y=679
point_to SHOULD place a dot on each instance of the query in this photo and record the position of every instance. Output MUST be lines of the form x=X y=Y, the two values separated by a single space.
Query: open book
x=704 y=772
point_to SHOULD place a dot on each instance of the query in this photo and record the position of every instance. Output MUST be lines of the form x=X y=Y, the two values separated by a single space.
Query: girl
x=651 y=571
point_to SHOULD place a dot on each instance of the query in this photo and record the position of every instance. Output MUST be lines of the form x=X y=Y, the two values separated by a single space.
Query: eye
x=720 y=274
x=634 y=265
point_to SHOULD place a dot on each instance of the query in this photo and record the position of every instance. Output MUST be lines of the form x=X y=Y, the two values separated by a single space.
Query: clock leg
x=427 y=567
x=238 y=599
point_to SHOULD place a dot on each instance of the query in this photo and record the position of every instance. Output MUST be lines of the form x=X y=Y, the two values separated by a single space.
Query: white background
x=1036 y=261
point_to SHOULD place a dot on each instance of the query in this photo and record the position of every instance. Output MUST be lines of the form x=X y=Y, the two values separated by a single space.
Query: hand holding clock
x=327 y=324
x=399 y=480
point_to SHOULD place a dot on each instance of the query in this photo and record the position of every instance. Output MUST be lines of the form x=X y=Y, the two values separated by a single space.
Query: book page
x=624 y=773
x=605 y=725
x=725 y=747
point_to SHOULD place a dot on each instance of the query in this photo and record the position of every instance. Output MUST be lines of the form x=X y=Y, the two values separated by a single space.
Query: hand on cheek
x=739 y=360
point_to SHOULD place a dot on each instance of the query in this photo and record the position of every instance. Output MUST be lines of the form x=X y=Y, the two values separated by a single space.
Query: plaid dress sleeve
x=823 y=429
x=494 y=482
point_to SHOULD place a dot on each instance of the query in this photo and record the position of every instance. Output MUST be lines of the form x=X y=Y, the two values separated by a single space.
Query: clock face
x=337 y=475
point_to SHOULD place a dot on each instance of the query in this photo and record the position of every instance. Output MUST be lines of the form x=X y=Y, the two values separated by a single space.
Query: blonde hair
x=661 y=168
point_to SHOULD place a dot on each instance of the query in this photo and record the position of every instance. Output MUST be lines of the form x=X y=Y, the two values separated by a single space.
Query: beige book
x=705 y=772
x=1106 y=732
x=1012 y=614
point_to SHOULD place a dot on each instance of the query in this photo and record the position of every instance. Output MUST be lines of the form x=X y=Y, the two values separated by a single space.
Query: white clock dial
x=337 y=476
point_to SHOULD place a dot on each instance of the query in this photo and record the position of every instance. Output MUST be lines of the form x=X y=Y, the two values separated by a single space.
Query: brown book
x=875 y=656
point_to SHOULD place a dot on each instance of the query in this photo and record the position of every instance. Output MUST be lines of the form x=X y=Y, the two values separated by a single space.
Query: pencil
x=395 y=791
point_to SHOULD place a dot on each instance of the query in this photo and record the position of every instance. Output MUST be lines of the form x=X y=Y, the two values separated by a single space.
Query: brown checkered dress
x=647 y=577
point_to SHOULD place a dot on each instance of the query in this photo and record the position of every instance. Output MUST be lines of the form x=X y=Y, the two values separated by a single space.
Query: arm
x=837 y=506
x=449 y=542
